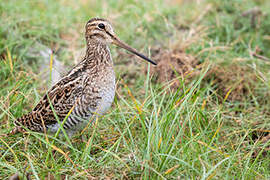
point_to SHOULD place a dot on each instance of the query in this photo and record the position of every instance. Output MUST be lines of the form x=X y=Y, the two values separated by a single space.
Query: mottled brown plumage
x=87 y=90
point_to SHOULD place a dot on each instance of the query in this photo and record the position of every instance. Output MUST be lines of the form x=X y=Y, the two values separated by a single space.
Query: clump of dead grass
x=173 y=64
x=233 y=81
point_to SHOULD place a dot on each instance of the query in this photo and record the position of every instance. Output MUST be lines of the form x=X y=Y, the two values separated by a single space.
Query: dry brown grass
x=173 y=64
x=232 y=81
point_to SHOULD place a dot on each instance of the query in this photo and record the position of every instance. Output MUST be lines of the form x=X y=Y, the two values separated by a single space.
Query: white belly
x=107 y=95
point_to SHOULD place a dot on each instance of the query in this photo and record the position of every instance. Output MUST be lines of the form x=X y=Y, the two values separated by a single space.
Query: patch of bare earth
x=172 y=65
x=232 y=81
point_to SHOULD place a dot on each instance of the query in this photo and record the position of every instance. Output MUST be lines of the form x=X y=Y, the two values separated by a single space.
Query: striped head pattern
x=101 y=31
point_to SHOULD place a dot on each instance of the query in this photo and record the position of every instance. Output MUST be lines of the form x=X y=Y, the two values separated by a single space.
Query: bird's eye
x=101 y=26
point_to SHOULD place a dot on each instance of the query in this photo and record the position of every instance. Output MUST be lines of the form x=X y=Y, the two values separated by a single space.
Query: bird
x=85 y=92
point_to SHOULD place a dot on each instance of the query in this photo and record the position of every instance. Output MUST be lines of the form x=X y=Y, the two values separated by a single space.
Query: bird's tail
x=17 y=129
x=21 y=122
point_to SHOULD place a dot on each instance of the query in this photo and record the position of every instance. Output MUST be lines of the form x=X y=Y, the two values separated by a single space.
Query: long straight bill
x=132 y=50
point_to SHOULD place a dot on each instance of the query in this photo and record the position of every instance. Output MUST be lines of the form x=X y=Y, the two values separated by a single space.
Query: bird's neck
x=97 y=59
x=98 y=53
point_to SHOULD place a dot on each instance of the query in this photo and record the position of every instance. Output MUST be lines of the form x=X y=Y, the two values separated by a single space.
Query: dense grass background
x=211 y=127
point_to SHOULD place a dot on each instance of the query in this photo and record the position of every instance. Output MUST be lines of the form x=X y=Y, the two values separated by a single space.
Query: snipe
x=87 y=90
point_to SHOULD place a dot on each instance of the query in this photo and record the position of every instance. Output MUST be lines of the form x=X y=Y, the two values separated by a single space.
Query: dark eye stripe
x=109 y=34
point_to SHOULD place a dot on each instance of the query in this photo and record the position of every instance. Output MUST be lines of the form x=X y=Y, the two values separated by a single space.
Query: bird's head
x=101 y=30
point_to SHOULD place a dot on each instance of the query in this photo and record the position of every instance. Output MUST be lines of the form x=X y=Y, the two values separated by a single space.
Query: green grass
x=152 y=131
